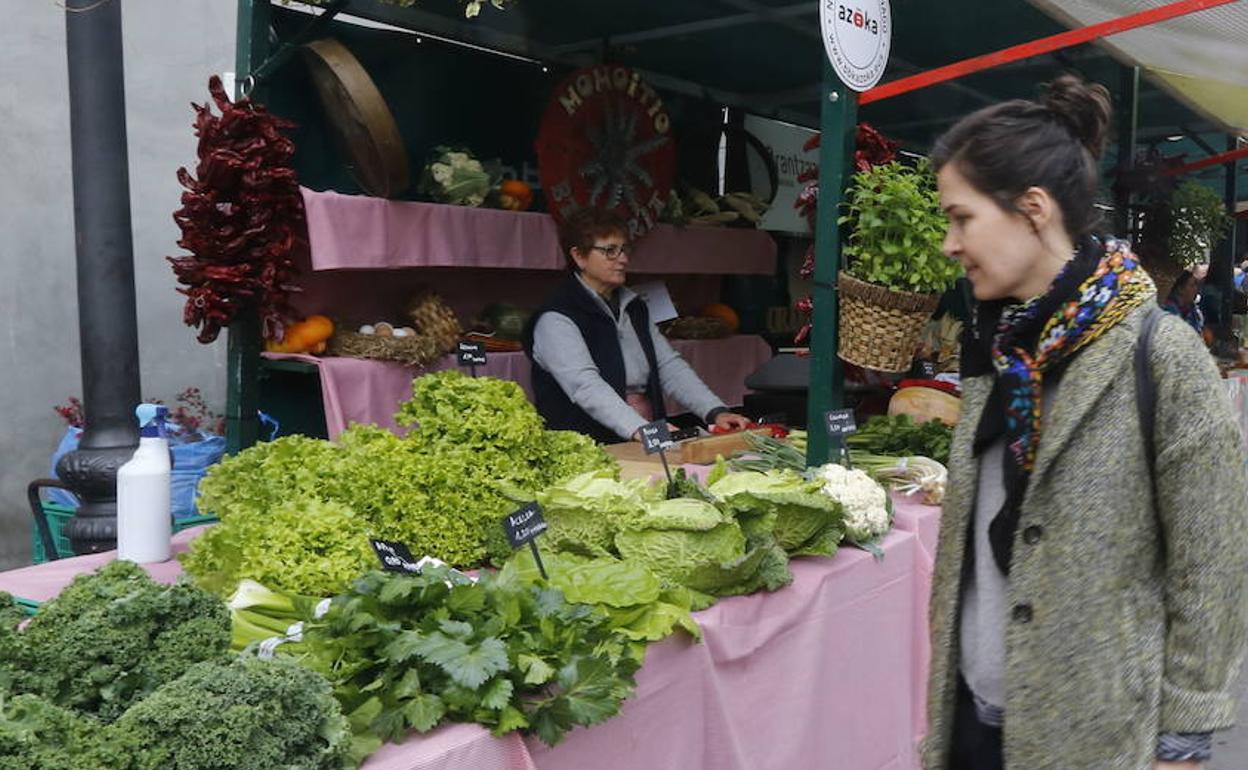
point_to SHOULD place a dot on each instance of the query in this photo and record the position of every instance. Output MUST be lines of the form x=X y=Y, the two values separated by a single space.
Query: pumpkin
x=304 y=337
x=515 y=195
x=723 y=313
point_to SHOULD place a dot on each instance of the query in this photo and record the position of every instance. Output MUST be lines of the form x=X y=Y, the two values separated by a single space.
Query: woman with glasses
x=600 y=366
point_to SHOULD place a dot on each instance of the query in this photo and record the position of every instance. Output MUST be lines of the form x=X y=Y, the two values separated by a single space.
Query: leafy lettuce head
x=805 y=521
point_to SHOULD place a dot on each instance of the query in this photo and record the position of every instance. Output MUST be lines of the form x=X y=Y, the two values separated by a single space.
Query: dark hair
x=584 y=226
x=1185 y=277
x=1053 y=143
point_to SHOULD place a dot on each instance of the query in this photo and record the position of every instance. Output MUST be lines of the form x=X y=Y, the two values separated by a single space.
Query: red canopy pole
x=1212 y=160
x=1037 y=47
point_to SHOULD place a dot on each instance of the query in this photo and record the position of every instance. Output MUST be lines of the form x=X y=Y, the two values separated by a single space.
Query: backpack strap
x=1145 y=387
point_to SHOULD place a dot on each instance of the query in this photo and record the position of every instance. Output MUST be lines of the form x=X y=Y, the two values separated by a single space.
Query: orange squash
x=723 y=313
x=515 y=195
x=305 y=336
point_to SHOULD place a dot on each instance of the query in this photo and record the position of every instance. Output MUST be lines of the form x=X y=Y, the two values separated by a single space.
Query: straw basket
x=435 y=320
x=881 y=328
x=695 y=328
x=415 y=351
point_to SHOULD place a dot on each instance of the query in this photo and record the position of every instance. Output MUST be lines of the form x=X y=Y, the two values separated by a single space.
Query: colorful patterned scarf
x=1039 y=338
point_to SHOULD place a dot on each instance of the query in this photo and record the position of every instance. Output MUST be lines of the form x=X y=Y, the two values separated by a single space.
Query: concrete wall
x=171 y=48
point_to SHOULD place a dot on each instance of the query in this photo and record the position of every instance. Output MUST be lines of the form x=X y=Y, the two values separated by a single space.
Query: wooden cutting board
x=695 y=451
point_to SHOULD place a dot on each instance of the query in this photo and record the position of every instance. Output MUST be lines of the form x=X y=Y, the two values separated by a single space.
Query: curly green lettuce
x=305 y=546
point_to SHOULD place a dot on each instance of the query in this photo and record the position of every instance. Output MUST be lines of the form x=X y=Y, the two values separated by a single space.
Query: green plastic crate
x=28 y=606
x=57 y=515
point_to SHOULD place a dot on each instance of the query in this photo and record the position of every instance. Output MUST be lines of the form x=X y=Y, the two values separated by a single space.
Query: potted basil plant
x=895 y=268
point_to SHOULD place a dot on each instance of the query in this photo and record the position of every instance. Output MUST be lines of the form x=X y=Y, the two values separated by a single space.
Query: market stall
x=766 y=611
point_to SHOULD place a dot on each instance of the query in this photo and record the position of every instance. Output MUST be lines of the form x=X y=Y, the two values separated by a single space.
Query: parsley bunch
x=412 y=651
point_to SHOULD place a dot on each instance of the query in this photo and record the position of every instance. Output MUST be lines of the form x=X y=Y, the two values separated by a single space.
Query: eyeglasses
x=614 y=251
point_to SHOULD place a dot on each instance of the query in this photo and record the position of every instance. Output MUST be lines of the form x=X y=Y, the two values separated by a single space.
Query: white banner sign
x=857 y=35
x=784 y=143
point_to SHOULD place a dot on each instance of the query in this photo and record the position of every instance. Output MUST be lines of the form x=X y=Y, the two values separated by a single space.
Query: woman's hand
x=1189 y=765
x=731 y=421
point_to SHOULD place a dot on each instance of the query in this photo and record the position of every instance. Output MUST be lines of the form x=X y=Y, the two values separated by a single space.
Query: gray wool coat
x=1127 y=618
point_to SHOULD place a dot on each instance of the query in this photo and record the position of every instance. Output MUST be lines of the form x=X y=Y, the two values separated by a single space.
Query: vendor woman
x=600 y=366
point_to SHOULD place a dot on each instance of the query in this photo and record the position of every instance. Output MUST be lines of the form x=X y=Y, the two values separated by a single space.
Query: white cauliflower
x=865 y=503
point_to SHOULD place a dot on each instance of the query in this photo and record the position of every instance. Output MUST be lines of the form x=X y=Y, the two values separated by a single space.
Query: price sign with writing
x=840 y=422
x=471 y=353
x=524 y=525
x=655 y=437
x=395 y=557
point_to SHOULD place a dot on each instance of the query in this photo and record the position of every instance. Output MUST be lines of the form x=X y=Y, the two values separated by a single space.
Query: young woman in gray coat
x=1088 y=606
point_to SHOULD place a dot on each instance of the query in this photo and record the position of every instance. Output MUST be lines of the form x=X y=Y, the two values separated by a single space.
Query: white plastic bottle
x=144 y=512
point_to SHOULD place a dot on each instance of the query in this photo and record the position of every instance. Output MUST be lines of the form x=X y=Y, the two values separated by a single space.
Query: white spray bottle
x=144 y=512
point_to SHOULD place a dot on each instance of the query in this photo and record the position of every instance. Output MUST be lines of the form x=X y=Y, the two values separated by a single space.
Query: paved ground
x=1230 y=749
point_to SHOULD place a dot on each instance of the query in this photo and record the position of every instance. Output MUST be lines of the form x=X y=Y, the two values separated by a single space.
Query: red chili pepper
x=242 y=218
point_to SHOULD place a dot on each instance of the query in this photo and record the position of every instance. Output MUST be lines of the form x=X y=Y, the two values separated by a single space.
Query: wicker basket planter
x=881 y=328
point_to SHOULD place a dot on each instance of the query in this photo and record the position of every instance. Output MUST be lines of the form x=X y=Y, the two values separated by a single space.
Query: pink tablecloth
x=352 y=232
x=44 y=581
x=819 y=674
x=355 y=390
x=911 y=515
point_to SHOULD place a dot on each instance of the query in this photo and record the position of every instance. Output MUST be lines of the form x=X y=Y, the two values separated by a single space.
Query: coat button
x=1033 y=534
x=1022 y=613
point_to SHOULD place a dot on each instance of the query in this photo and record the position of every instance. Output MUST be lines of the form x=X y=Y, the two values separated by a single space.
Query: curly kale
x=112 y=637
x=248 y=714
x=36 y=735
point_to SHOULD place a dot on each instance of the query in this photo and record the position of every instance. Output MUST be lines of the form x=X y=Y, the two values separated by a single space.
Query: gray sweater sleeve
x=559 y=348
x=678 y=379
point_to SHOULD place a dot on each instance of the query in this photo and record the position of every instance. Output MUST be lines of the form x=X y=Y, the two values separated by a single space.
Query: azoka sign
x=857 y=35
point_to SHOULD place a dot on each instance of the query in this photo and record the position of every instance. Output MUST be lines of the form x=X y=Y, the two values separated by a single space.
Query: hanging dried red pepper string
x=242 y=218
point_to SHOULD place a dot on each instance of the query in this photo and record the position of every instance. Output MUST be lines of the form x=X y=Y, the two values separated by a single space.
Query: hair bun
x=1084 y=108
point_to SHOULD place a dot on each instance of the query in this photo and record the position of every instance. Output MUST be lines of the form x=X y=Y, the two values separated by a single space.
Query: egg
x=402 y=331
x=383 y=329
x=367 y=329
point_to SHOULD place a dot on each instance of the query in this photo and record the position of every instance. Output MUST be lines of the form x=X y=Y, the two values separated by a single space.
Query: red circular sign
x=606 y=142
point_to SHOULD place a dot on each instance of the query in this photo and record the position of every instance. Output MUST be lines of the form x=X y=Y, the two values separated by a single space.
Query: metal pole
x=107 y=327
x=242 y=428
x=1128 y=121
x=838 y=124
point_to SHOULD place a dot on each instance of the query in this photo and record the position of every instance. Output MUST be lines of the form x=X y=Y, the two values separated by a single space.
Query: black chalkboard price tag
x=655 y=437
x=395 y=557
x=840 y=424
x=523 y=526
x=471 y=355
